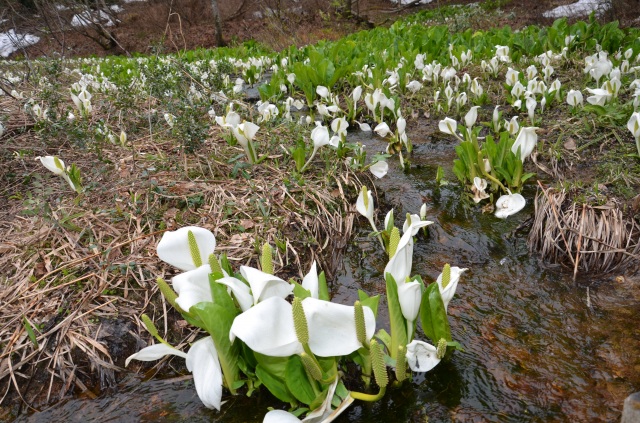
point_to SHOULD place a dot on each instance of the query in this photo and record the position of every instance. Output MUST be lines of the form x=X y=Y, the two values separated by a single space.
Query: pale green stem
x=309 y=161
x=368 y=397
x=491 y=178
x=373 y=225
x=409 y=330
x=251 y=153
x=366 y=369
x=638 y=145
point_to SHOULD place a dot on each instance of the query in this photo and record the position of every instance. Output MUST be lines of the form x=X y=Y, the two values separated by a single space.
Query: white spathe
x=280 y=416
x=174 y=249
x=421 y=356
x=575 y=98
x=409 y=296
x=201 y=360
x=192 y=287
x=471 y=116
x=526 y=141
x=478 y=189
x=382 y=129
x=310 y=281
x=633 y=125
x=54 y=164
x=322 y=91
x=268 y=328
x=448 y=126
x=323 y=414
x=413 y=223
x=449 y=291
x=332 y=327
x=379 y=169
x=264 y=285
x=399 y=266
x=365 y=208
x=320 y=137
x=245 y=132
x=154 y=352
x=240 y=290
x=509 y=204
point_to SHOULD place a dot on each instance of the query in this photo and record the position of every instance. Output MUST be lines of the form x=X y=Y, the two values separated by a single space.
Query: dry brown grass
x=80 y=270
x=589 y=239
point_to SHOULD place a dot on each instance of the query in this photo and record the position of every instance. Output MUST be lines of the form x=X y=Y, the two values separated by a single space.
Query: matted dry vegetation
x=80 y=270
x=591 y=239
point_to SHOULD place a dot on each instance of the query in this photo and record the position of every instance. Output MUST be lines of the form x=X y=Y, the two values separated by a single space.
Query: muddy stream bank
x=538 y=347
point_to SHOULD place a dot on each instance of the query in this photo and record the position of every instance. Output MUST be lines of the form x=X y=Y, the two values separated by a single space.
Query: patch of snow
x=61 y=7
x=580 y=8
x=132 y=1
x=116 y=8
x=10 y=42
x=89 y=18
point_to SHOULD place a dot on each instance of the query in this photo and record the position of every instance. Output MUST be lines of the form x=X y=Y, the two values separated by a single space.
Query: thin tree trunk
x=347 y=8
x=217 y=22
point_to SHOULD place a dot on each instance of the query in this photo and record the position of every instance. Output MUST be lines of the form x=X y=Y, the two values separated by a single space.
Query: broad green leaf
x=274 y=384
x=328 y=366
x=274 y=365
x=221 y=296
x=299 y=291
x=319 y=399
x=217 y=321
x=30 y=332
x=433 y=315
x=384 y=337
x=371 y=302
x=397 y=321
x=298 y=157
x=323 y=290
x=298 y=382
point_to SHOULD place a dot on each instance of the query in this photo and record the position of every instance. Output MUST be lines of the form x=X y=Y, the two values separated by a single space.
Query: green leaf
x=224 y=262
x=384 y=337
x=299 y=291
x=298 y=382
x=274 y=384
x=397 y=321
x=323 y=290
x=298 y=157
x=319 y=399
x=239 y=384
x=272 y=373
x=217 y=321
x=527 y=176
x=341 y=391
x=30 y=332
x=433 y=315
x=371 y=302
x=221 y=296
x=328 y=365
x=171 y=296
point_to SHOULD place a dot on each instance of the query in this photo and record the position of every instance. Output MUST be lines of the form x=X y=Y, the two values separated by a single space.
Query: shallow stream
x=538 y=347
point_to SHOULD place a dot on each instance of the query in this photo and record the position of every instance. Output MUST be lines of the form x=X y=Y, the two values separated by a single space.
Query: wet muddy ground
x=537 y=346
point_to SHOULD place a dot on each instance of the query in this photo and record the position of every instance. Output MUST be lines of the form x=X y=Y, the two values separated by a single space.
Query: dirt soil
x=156 y=26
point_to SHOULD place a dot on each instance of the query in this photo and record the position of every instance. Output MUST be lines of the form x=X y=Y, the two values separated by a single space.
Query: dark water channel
x=538 y=347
